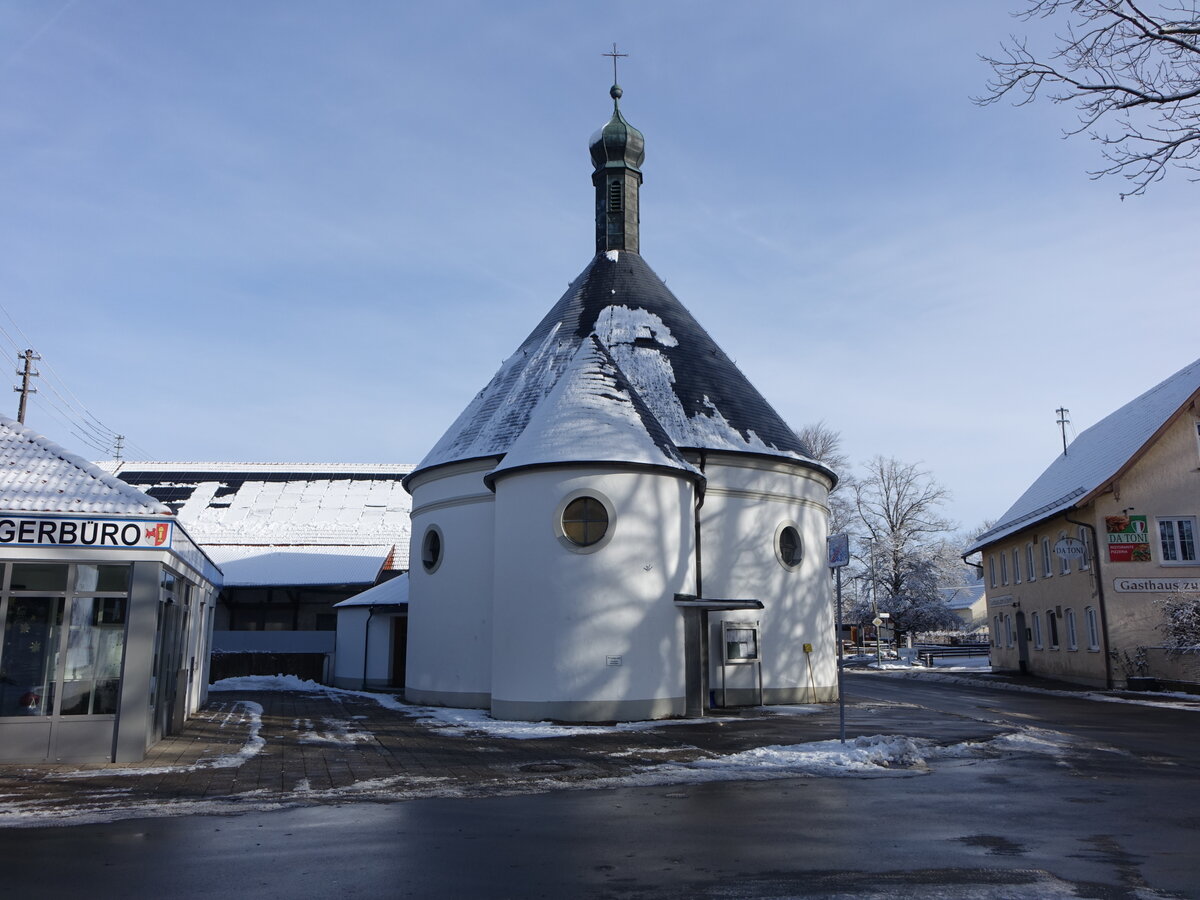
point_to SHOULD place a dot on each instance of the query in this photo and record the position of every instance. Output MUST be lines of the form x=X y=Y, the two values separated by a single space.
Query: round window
x=585 y=521
x=431 y=549
x=791 y=550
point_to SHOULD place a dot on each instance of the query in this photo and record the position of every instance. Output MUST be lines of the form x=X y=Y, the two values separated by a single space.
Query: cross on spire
x=614 y=54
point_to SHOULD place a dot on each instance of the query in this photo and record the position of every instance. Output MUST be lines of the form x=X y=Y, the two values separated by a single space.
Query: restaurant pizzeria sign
x=31 y=531
x=1128 y=540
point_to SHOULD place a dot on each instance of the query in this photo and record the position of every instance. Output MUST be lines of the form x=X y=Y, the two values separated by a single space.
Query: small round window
x=431 y=550
x=791 y=550
x=585 y=521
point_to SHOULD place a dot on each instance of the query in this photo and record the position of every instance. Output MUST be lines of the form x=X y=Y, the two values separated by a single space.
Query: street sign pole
x=838 y=550
x=841 y=662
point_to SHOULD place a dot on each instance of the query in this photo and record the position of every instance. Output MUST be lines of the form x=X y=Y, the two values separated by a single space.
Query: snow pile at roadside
x=862 y=755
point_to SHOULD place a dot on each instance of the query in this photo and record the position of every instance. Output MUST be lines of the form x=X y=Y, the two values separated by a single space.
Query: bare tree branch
x=1132 y=72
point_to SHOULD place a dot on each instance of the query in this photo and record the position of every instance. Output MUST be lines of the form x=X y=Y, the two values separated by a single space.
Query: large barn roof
x=283 y=508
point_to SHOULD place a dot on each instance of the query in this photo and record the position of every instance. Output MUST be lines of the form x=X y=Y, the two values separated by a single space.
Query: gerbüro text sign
x=29 y=531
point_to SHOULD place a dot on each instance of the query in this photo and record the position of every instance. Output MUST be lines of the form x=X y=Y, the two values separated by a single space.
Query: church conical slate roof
x=593 y=415
x=695 y=393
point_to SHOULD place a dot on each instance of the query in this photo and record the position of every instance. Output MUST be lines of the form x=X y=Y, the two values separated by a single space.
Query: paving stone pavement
x=294 y=747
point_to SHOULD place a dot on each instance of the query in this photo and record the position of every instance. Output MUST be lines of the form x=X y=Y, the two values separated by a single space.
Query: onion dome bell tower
x=618 y=150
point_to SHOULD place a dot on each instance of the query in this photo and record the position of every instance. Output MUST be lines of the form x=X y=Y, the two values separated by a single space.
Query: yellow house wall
x=1165 y=482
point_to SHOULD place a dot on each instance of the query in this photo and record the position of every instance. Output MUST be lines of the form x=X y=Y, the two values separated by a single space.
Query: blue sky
x=301 y=231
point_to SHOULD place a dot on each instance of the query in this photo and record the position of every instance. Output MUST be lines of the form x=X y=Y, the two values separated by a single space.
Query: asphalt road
x=1117 y=820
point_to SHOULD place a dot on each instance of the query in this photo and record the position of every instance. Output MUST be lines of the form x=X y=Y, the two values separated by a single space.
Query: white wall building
x=619 y=526
x=372 y=637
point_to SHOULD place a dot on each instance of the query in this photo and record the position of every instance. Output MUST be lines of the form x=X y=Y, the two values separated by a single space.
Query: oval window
x=431 y=550
x=585 y=521
x=791 y=550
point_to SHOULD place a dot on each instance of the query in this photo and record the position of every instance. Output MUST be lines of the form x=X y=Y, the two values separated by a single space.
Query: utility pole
x=1063 y=422
x=118 y=444
x=26 y=373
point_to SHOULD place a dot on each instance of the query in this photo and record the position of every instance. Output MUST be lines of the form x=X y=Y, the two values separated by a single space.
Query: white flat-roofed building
x=106 y=605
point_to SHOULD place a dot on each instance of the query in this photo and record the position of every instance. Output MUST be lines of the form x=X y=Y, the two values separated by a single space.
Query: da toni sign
x=1128 y=540
x=53 y=531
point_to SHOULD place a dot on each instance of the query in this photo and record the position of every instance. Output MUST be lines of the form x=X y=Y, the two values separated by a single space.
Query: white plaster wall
x=450 y=621
x=560 y=613
x=353 y=625
x=746 y=501
x=348 y=648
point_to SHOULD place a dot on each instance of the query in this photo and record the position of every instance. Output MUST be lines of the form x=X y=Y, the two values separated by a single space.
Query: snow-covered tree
x=1182 y=625
x=904 y=545
x=825 y=446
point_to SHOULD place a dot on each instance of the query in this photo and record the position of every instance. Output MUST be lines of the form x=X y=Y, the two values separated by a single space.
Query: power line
x=80 y=420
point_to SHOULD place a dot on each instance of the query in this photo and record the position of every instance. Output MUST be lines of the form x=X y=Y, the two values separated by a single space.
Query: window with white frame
x=1004 y=568
x=1093 y=627
x=995 y=631
x=1052 y=627
x=1008 y=631
x=992 y=570
x=1065 y=562
x=1029 y=569
x=1016 y=566
x=1177 y=540
x=1047 y=567
x=1036 y=621
x=1069 y=619
x=1085 y=562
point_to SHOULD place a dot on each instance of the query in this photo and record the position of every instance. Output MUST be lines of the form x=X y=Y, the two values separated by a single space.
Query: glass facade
x=64 y=638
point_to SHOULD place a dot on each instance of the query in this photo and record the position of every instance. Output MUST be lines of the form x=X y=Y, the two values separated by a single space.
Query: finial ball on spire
x=615 y=92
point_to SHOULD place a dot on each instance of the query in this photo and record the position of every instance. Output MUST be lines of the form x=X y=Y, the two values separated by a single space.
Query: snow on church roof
x=275 y=505
x=37 y=475
x=592 y=415
x=695 y=392
x=1098 y=454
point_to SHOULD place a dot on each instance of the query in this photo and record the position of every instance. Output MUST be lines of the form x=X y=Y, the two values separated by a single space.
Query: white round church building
x=619 y=526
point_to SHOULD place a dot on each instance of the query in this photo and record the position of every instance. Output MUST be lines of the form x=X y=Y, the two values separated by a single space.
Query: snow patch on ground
x=330 y=731
x=244 y=712
x=292 y=683
x=476 y=721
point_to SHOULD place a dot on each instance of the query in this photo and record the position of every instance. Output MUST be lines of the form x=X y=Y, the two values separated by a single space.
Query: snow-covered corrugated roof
x=283 y=503
x=699 y=397
x=393 y=592
x=1097 y=455
x=259 y=566
x=592 y=415
x=37 y=475
x=962 y=597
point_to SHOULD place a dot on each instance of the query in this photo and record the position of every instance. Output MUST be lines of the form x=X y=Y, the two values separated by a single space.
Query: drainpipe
x=366 y=644
x=696 y=516
x=1108 y=678
x=701 y=614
